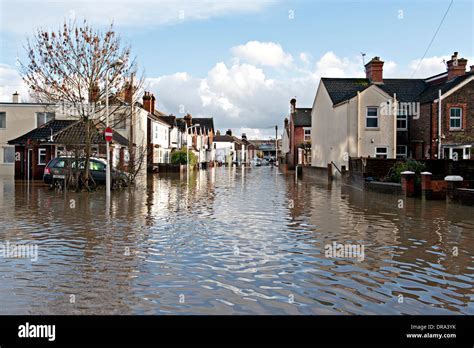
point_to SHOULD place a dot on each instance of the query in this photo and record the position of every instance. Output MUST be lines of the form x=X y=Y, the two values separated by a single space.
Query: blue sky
x=242 y=61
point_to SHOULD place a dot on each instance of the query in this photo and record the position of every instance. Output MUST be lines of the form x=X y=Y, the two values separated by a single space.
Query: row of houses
x=31 y=134
x=419 y=118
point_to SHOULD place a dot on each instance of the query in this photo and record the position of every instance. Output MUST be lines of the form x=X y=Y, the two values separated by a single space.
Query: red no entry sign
x=108 y=134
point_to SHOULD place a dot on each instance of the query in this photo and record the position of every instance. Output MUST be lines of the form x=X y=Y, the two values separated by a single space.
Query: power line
x=432 y=39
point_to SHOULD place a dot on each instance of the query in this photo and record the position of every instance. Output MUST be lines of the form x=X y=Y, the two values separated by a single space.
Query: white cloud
x=11 y=82
x=263 y=53
x=141 y=13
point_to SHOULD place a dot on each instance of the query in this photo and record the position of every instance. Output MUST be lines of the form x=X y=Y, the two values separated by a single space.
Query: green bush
x=410 y=164
x=179 y=157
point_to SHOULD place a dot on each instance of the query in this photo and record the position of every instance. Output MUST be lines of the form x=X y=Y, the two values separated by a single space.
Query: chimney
x=229 y=132
x=293 y=105
x=218 y=132
x=94 y=93
x=16 y=98
x=153 y=104
x=374 y=70
x=188 y=119
x=456 y=66
x=286 y=123
x=128 y=93
x=244 y=136
x=472 y=67
x=147 y=101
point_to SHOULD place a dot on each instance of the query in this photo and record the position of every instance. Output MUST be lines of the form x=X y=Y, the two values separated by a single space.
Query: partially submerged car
x=56 y=170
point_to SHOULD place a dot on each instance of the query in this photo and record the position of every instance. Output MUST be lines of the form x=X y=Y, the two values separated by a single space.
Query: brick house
x=455 y=138
x=299 y=132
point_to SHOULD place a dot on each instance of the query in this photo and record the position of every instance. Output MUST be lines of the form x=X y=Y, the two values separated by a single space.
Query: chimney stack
x=456 y=66
x=293 y=105
x=472 y=67
x=229 y=132
x=188 y=119
x=244 y=136
x=16 y=98
x=148 y=102
x=218 y=132
x=374 y=70
x=286 y=122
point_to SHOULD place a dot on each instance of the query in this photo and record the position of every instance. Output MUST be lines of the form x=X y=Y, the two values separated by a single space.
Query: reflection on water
x=235 y=241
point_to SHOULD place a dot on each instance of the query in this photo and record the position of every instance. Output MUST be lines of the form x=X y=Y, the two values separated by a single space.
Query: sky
x=242 y=61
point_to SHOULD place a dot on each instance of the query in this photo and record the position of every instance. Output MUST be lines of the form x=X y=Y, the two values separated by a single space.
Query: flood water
x=235 y=241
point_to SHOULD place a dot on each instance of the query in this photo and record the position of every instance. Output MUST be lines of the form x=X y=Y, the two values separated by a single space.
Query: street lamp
x=187 y=148
x=117 y=63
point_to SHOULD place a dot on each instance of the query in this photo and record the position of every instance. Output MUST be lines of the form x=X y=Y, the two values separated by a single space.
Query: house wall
x=328 y=130
x=464 y=98
x=385 y=134
x=223 y=149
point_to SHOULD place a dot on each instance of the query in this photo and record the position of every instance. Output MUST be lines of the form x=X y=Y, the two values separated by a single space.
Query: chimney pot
x=229 y=132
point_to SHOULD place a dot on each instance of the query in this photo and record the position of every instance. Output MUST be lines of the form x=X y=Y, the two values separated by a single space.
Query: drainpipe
x=395 y=114
x=358 y=124
x=439 y=124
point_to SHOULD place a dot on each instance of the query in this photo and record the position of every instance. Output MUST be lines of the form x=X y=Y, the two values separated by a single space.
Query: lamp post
x=187 y=149
x=118 y=62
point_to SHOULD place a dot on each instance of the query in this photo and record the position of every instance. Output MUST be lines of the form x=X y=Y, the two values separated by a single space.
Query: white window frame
x=379 y=153
x=367 y=116
x=4 y=113
x=4 y=156
x=40 y=151
x=455 y=118
x=402 y=117
x=306 y=137
x=43 y=114
x=405 y=154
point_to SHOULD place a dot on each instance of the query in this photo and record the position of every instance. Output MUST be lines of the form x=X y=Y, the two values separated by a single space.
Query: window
x=307 y=134
x=41 y=156
x=60 y=164
x=401 y=151
x=372 y=119
x=8 y=155
x=381 y=152
x=96 y=166
x=43 y=117
x=402 y=121
x=3 y=120
x=455 y=118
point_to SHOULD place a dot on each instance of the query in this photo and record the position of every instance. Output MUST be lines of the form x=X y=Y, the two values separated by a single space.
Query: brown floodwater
x=233 y=241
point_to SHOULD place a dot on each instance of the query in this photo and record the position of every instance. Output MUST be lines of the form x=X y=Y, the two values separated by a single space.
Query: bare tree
x=70 y=66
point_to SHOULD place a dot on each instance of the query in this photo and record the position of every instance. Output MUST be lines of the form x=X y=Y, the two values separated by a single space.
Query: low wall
x=169 y=168
x=311 y=173
x=462 y=196
x=384 y=187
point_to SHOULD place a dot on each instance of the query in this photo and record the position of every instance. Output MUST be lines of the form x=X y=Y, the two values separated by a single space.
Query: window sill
x=372 y=128
x=456 y=130
x=7 y=164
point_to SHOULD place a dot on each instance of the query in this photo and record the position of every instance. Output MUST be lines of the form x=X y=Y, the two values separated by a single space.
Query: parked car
x=56 y=169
